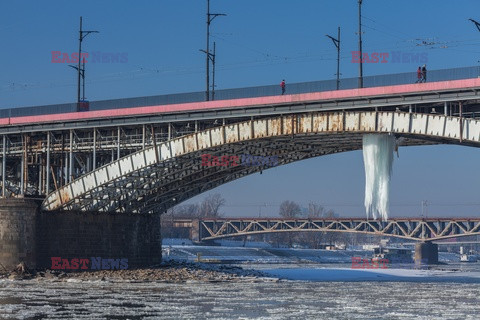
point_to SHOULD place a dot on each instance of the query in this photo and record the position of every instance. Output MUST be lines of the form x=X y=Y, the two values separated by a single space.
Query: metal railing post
x=94 y=160
x=4 y=164
x=47 y=171
x=70 y=162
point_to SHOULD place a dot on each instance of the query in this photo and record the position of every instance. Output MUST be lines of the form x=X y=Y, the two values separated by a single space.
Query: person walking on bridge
x=419 y=75
x=282 y=85
x=424 y=73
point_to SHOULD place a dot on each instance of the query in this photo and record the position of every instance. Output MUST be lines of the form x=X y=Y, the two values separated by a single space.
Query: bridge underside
x=159 y=177
x=159 y=187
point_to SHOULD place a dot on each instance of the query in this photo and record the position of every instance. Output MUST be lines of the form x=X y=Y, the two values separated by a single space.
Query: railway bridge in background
x=417 y=229
x=422 y=230
x=111 y=171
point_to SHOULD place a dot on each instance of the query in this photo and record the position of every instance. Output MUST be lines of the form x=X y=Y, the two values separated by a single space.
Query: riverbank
x=170 y=272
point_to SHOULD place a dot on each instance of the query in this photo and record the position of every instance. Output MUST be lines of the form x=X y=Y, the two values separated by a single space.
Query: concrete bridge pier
x=17 y=232
x=426 y=253
x=34 y=237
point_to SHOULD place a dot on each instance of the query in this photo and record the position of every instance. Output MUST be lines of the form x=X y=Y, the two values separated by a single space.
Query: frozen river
x=316 y=285
x=32 y=299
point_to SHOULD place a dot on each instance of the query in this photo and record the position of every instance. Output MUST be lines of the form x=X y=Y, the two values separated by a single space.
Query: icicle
x=378 y=161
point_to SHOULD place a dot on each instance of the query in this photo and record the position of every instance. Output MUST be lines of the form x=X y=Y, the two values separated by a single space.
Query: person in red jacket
x=282 y=85
x=419 y=75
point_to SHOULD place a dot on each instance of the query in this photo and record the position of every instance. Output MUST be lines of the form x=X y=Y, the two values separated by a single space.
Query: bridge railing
x=250 y=92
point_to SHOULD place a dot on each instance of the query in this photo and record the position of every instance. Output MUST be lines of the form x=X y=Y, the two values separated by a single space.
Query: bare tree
x=290 y=209
x=187 y=211
x=167 y=223
x=313 y=239
x=331 y=236
x=315 y=210
x=210 y=206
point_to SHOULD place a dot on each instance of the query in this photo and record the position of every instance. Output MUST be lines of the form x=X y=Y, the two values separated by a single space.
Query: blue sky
x=258 y=43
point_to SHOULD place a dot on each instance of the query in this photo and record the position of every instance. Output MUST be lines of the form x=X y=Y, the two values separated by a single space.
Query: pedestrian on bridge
x=282 y=85
x=419 y=75
x=424 y=73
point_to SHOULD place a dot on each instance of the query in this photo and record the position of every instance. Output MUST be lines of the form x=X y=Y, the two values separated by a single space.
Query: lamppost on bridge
x=80 y=71
x=360 y=70
x=210 y=17
x=336 y=42
x=213 y=71
x=477 y=24
x=211 y=57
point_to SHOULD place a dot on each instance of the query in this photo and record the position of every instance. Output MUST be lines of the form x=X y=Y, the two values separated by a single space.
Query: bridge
x=426 y=230
x=112 y=170
x=145 y=158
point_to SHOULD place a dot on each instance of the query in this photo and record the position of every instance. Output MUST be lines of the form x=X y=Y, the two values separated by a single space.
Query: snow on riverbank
x=272 y=255
x=259 y=255
x=324 y=265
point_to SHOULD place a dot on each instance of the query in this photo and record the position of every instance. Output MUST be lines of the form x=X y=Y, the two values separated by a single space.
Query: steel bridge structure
x=425 y=230
x=145 y=158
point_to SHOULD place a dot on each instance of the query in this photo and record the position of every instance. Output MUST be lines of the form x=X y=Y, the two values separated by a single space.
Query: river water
x=285 y=299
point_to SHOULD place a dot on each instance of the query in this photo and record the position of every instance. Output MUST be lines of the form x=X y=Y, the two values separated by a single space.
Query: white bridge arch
x=159 y=177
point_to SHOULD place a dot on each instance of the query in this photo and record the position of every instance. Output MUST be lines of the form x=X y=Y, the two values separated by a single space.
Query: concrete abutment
x=17 y=232
x=34 y=237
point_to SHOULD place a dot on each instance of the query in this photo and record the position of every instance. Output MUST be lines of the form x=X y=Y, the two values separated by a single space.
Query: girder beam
x=210 y=229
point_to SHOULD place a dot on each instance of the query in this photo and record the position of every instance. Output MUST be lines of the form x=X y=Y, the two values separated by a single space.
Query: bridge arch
x=159 y=177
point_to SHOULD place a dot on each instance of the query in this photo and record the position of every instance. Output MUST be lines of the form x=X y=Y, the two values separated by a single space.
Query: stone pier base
x=17 y=232
x=426 y=253
x=35 y=237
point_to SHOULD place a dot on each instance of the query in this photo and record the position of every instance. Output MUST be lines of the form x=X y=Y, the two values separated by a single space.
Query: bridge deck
x=115 y=160
x=389 y=93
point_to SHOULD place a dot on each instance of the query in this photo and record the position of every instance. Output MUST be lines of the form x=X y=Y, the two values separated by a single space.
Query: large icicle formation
x=378 y=160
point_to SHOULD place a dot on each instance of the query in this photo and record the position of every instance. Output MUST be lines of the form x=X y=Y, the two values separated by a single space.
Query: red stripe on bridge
x=247 y=102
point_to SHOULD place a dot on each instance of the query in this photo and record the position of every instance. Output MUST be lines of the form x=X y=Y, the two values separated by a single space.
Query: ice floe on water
x=349 y=275
x=239 y=300
x=448 y=292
